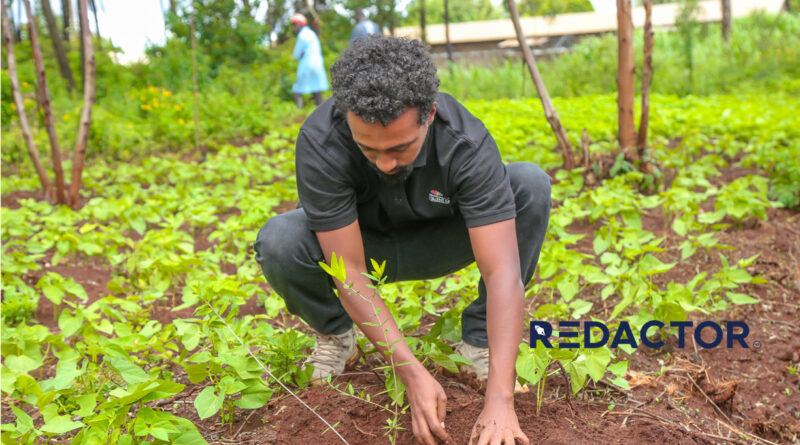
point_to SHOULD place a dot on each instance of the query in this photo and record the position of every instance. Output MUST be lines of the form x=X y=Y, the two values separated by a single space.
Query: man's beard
x=402 y=173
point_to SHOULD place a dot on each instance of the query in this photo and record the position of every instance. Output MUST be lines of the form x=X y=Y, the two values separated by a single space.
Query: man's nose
x=386 y=163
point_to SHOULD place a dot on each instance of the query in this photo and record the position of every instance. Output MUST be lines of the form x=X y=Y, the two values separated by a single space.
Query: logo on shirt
x=437 y=197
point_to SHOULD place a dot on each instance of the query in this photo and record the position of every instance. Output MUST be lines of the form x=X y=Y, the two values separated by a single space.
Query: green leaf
x=24 y=421
x=207 y=403
x=69 y=324
x=596 y=362
x=60 y=425
x=53 y=293
x=87 y=403
x=22 y=363
x=130 y=372
x=738 y=298
x=531 y=363
x=650 y=265
x=568 y=287
x=254 y=400
x=739 y=276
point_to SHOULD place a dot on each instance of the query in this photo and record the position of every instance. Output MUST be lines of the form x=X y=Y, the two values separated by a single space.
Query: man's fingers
x=442 y=406
x=518 y=434
x=436 y=425
x=497 y=438
x=415 y=428
x=486 y=435
x=475 y=434
x=423 y=429
x=508 y=437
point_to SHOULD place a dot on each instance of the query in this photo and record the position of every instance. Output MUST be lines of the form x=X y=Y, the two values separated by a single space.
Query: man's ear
x=432 y=114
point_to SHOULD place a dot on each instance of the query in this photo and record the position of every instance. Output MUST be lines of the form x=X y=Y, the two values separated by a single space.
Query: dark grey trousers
x=288 y=252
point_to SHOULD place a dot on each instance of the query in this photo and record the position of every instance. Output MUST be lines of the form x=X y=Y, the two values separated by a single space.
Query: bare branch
x=20 y=103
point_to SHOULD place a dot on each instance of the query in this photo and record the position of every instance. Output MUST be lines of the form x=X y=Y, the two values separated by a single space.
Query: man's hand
x=497 y=425
x=428 y=406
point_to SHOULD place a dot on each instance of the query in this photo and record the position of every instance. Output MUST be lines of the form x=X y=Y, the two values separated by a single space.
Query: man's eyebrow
x=390 y=148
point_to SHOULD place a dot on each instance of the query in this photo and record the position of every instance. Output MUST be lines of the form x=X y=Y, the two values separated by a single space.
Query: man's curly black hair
x=378 y=77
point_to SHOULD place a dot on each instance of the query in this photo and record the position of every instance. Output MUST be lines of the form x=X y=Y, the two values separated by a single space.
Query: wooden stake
x=82 y=139
x=549 y=111
x=194 y=85
x=625 y=68
x=647 y=76
x=44 y=103
x=20 y=103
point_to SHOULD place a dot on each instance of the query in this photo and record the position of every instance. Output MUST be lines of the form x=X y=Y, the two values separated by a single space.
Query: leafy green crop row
x=167 y=232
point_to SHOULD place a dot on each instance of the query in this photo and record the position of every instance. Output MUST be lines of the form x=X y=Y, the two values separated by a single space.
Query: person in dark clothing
x=364 y=26
x=392 y=170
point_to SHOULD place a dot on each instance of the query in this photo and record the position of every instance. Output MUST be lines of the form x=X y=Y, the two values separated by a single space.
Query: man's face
x=391 y=150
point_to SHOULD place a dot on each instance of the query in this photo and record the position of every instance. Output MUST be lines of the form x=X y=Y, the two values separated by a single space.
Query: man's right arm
x=369 y=312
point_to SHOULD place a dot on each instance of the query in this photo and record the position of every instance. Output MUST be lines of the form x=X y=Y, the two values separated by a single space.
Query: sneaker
x=480 y=363
x=479 y=358
x=331 y=354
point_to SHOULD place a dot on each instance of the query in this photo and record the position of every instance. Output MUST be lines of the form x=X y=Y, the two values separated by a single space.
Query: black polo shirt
x=457 y=172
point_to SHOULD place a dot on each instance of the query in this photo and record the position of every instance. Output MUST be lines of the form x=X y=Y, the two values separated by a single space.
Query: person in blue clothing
x=311 y=77
x=364 y=26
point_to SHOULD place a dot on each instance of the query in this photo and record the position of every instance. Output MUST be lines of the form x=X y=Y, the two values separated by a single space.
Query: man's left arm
x=497 y=256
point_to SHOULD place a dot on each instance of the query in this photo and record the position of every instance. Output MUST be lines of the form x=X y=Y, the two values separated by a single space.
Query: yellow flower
x=180 y=121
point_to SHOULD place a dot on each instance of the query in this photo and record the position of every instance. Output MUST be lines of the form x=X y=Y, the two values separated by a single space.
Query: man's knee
x=531 y=186
x=280 y=238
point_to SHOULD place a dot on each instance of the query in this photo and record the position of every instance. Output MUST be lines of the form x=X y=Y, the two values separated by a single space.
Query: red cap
x=300 y=19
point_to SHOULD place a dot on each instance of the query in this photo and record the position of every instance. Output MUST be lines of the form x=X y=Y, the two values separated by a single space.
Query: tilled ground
x=679 y=395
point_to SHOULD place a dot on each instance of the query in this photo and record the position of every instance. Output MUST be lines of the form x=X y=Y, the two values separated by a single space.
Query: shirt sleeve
x=483 y=187
x=326 y=195
x=300 y=45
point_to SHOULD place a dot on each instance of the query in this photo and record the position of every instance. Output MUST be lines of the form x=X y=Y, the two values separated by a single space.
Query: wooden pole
x=44 y=102
x=625 y=68
x=82 y=139
x=726 y=20
x=647 y=76
x=20 y=103
x=549 y=111
x=447 y=30
x=422 y=21
x=58 y=45
x=194 y=84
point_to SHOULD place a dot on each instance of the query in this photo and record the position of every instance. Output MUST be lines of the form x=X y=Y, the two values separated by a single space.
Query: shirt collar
x=422 y=157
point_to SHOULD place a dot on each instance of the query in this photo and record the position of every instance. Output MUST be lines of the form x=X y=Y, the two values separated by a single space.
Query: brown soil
x=678 y=396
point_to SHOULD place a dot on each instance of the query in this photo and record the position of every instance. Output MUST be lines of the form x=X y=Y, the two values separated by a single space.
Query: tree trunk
x=18 y=27
x=69 y=19
x=173 y=7
x=8 y=39
x=422 y=21
x=83 y=25
x=625 y=67
x=86 y=112
x=44 y=102
x=549 y=111
x=194 y=86
x=447 y=30
x=647 y=76
x=58 y=46
x=96 y=24
x=315 y=23
x=726 y=20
